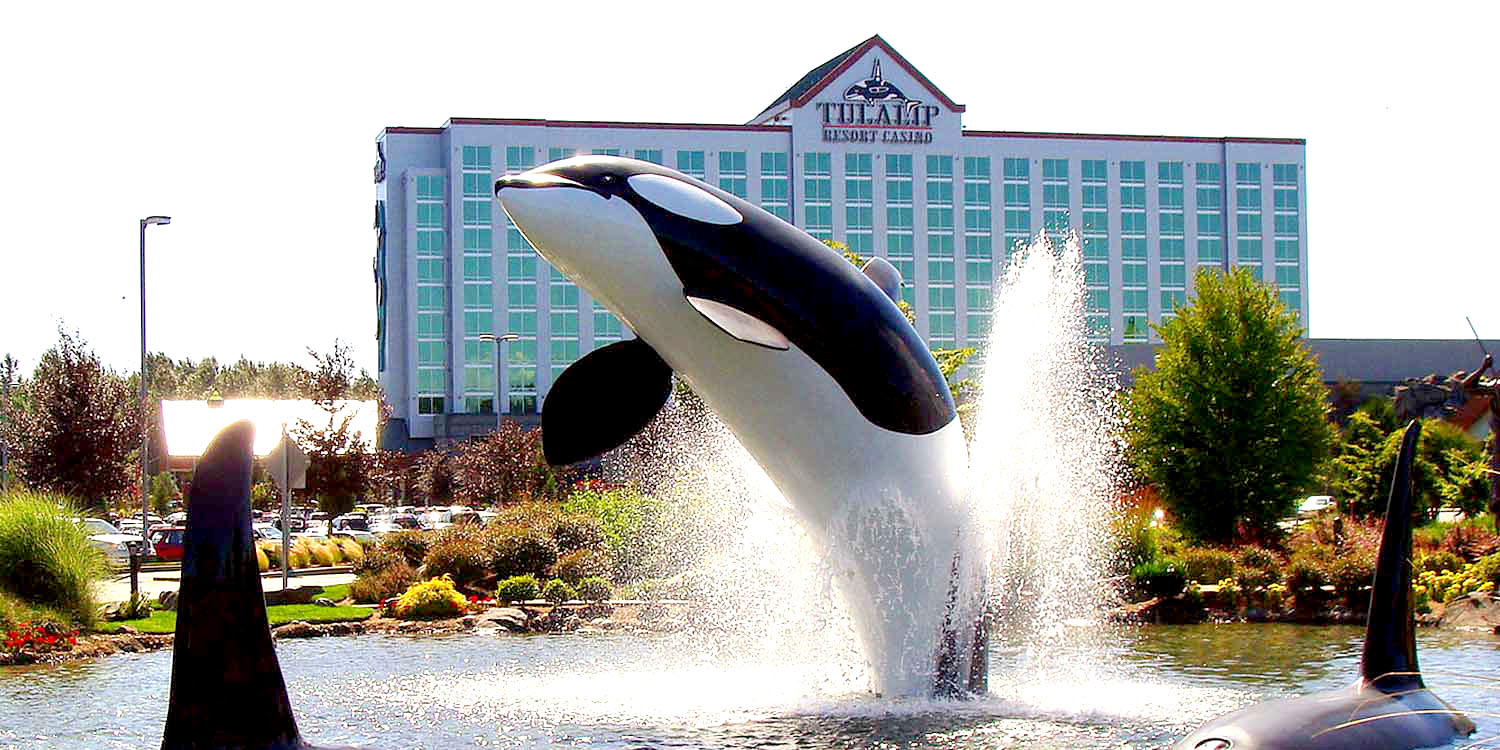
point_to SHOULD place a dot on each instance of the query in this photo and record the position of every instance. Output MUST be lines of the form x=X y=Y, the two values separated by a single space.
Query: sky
x=253 y=126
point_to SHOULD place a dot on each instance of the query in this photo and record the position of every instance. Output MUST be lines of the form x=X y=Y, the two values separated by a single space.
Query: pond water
x=1142 y=689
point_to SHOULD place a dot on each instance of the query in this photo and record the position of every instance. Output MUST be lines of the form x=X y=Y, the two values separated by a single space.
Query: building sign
x=875 y=111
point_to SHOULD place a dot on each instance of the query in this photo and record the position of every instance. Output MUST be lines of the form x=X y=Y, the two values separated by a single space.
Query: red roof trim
x=875 y=41
x=1121 y=137
x=404 y=129
x=609 y=124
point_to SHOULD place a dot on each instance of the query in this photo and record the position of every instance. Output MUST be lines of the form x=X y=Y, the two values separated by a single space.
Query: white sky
x=254 y=129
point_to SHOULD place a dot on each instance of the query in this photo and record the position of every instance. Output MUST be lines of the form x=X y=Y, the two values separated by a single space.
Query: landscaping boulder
x=324 y=601
x=1476 y=611
x=296 y=629
x=299 y=595
x=167 y=601
x=510 y=619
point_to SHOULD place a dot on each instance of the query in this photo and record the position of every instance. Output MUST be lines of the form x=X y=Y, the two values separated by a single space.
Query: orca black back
x=227 y=688
x=1389 y=661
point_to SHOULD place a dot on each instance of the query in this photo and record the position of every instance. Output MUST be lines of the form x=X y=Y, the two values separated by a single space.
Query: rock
x=559 y=620
x=296 y=629
x=167 y=601
x=596 y=610
x=1476 y=611
x=511 y=619
x=324 y=601
x=1257 y=614
x=127 y=630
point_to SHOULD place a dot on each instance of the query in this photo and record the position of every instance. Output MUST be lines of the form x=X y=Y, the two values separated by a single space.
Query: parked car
x=266 y=531
x=351 y=521
x=395 y=522
x=117 y=547
x=168 y=541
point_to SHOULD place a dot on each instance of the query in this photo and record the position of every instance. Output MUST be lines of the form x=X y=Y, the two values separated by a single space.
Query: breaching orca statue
x=1389 y=707
x=227 y=691
x=807 y=360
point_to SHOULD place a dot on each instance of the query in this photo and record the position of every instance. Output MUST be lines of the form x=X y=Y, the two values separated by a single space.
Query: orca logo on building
x=876 y=111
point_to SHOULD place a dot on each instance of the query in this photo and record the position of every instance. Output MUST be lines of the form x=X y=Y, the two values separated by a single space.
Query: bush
x=1306 y=574
x=324 y=554
x=535 y=515
x=432 y=599
x=378 y=559
x=300 y=555
x=518 y=589
x=576 y=531
x=459 y=553
x=1206 y=564
x=261 y=560
x=375 y=586
x=1440 y=561
x=1351 y=572
x=577 y=565
x=594 y=589
x=557 y=592
x=513 y=550
x=411 y=544
x=1137 y=538
x=1468 y=542
x=1162 y=578
x=1257 y=557
x=1257 y=569
x=45 y=558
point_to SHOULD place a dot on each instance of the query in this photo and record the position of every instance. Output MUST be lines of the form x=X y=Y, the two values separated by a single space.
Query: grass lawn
x=337 y=592
x=166 y=622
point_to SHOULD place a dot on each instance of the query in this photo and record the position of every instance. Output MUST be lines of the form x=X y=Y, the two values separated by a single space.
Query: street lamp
x=145 y=430
x=496 y=340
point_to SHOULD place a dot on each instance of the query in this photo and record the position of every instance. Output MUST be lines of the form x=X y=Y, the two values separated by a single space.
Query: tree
x=1232 y=425
x=506 y=466
x=434 y=477
x=163 y=493
x=337 y=472
x=81 y=427
x=9 y=368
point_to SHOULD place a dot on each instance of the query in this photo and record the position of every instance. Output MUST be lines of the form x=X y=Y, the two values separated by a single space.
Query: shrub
x=45 y=558
x=536 y=515
x=594 y=589
x=324 y=554
x=577 y=565
x=1229 y=591
x=459 y=553
x=1468 y=542
x=518 y=589
x=1351 y=572
x=375 y=586
x=557 y=591
x=429 y=600
x=576 y=531
x=378 y=559
x=1257 y=557
x=1256 y=569
x=1306 y=574
x=1137 y=538
x=411 y=544
x=300 y=555
x=261 y=560
x=1439 y=561
x=1275 y=596
x=272 y=551
x=352 y=550
x=1162 y=578
x=1206 y=564
x=514 y=550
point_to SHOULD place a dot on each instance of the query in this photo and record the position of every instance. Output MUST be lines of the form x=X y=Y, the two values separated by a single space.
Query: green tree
x=81 y=427
x=163 y=493
x=1232 y=425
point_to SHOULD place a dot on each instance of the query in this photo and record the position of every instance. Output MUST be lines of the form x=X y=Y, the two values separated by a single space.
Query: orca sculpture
x=1389 y=707
x=808 y=361
x=227 y=691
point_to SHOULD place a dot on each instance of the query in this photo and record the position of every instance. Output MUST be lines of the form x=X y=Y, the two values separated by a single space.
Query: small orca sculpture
x=1389 y=707
x=877 y=89
x=809 y=362
x=227 y=691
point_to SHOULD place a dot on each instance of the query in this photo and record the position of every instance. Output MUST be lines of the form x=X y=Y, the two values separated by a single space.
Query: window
x=858 y=197
x=606 y=152
x=519 y=158
x=1094 y=170
x=774 y=184
x=691 y=164
x=817 y=169
x=732 y=177
x=558 y=154
x=652 y=155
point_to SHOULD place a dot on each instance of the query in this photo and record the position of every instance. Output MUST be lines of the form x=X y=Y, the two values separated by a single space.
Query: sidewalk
x=117 y=588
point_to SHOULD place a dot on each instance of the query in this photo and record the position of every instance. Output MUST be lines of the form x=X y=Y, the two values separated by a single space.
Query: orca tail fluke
x=227 y=689
x=1390 y=652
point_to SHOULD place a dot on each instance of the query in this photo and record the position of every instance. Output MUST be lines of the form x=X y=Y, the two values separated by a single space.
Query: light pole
x=145 y=429
x=497 y=340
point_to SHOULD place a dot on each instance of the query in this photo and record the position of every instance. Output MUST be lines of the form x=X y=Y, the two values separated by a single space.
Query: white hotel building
x=864 y=150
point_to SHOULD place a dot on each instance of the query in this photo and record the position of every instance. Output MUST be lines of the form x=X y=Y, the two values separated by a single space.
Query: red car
x=168 y=541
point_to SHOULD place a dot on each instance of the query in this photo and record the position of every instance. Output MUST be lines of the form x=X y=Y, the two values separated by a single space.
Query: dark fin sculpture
x=1389 y=662
x=602 y=400
x=227 y=689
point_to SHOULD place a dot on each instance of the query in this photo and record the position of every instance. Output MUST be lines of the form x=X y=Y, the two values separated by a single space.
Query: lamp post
x=497 y=340
x=145 y=430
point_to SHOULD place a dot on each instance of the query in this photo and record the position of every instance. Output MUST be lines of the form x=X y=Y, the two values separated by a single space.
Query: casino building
x=863 y=150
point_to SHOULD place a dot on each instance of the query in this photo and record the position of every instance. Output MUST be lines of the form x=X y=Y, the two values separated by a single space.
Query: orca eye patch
x=684 y=199
x=740 y=324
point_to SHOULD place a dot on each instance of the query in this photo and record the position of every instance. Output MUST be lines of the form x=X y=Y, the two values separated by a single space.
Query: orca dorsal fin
x=227 y=689
x=885 y=276
x=602 y=400
x=1390 y=654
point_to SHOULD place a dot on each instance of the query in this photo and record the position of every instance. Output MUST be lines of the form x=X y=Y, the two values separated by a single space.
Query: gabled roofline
x=858 y=52
x=1127 y=137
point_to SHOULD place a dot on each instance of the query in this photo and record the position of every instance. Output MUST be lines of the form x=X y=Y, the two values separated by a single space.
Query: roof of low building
x=189 y=426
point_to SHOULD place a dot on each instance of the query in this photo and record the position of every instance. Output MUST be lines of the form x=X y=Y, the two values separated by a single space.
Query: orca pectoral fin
x=602 y=400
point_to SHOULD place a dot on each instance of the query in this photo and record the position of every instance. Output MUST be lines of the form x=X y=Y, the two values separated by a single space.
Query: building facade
x=863 y=150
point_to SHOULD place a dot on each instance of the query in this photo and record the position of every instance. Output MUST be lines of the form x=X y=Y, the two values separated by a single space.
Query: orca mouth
x=533 y=180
